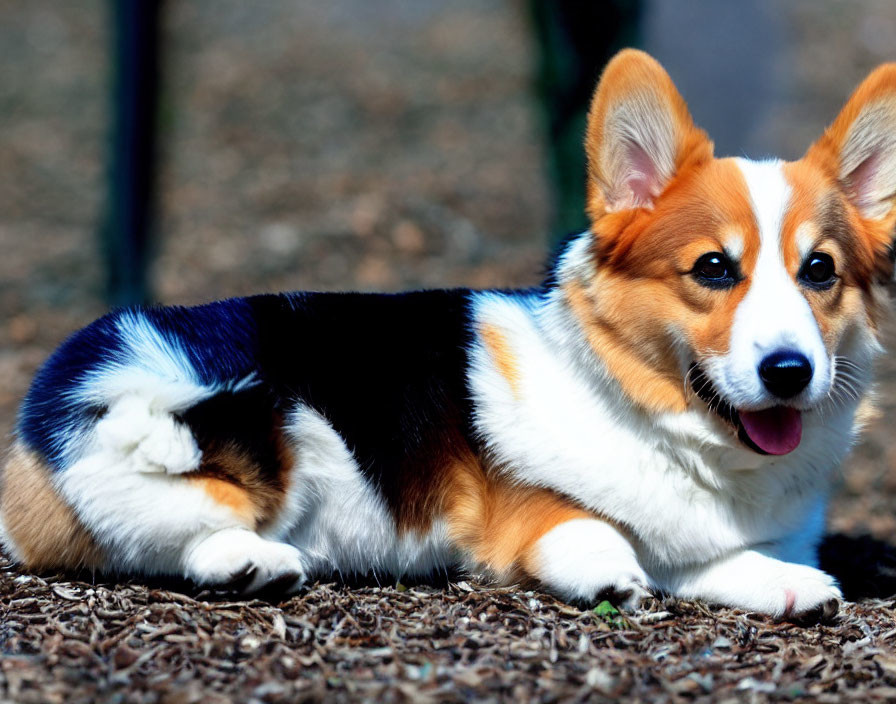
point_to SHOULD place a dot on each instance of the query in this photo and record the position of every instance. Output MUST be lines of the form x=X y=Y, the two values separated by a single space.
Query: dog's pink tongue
x=776 y=431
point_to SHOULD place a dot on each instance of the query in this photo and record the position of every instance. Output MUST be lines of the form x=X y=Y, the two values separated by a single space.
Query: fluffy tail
x=173 y=358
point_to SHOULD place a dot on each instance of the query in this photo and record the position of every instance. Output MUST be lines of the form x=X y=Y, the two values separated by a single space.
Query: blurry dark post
x=575 y=39
x=127 y=230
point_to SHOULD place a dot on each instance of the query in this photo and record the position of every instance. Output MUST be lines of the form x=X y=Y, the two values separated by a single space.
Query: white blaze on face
x=774 y=315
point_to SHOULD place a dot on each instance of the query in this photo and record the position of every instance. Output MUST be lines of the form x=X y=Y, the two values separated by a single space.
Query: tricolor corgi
x=666 y=413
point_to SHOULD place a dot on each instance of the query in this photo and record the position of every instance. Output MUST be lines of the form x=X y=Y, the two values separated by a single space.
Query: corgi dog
x=666 y=413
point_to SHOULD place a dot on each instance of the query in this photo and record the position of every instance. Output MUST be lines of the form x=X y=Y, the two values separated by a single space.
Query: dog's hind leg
x=38 y=529
x=157 y=441
x=158 y=504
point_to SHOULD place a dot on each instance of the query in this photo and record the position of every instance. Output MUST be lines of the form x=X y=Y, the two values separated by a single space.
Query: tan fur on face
x=819 y=213
x=650 y=377
x=643 y=306
x=45 y=530
x=651 y=224
x=643 y=302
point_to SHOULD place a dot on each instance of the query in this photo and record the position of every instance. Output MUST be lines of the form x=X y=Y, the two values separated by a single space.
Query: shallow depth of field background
x=369 y=145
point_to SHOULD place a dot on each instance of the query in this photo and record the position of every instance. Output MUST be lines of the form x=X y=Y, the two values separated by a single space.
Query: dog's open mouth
x=772 y=431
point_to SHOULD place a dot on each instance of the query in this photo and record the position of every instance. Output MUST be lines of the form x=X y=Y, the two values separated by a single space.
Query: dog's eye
x=715 y=270
x=818 y=270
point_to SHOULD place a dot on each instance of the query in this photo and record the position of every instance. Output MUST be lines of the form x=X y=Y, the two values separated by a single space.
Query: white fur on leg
x=583 y=558
x=127 y=488
x=150 y=438
x=228 y=554
x=753 y=581
x=142 y=520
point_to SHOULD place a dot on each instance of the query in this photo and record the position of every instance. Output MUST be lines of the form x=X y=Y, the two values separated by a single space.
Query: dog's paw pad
x=288 y=582
x=239 y=580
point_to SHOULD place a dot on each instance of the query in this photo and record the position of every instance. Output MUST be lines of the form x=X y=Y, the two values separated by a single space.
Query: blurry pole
x=127 y=229
x=575 y=39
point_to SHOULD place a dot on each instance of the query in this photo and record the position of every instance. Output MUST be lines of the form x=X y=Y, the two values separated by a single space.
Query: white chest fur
x=679 y=483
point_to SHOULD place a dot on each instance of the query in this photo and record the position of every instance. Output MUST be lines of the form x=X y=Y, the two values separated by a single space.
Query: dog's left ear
x=859 y=148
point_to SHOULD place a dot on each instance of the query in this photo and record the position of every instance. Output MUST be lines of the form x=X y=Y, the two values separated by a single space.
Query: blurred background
x=372 y=145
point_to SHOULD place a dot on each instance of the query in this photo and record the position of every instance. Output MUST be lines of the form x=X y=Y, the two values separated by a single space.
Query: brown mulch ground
x=77 y=642
x=376 y=146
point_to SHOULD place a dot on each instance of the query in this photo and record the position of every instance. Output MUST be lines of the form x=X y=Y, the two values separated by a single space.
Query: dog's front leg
x=585 y=560
x=755 y=581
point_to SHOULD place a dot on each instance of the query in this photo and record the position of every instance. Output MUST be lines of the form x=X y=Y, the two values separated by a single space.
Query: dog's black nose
x=785 y=373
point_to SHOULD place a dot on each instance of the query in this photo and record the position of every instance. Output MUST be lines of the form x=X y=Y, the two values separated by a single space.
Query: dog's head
x=752 y=290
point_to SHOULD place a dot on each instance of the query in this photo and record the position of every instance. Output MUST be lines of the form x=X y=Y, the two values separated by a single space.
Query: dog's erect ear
x=639 y=135
x=859 y=148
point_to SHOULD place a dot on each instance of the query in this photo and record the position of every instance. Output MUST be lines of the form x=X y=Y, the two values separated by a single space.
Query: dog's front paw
x=786 y=590
x=808 y=594
x=240 y=560
x=754 y=581
x=587 y=561
x=620 y=584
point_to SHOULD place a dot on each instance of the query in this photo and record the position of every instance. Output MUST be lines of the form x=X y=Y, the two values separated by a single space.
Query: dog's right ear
x=639 y=135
